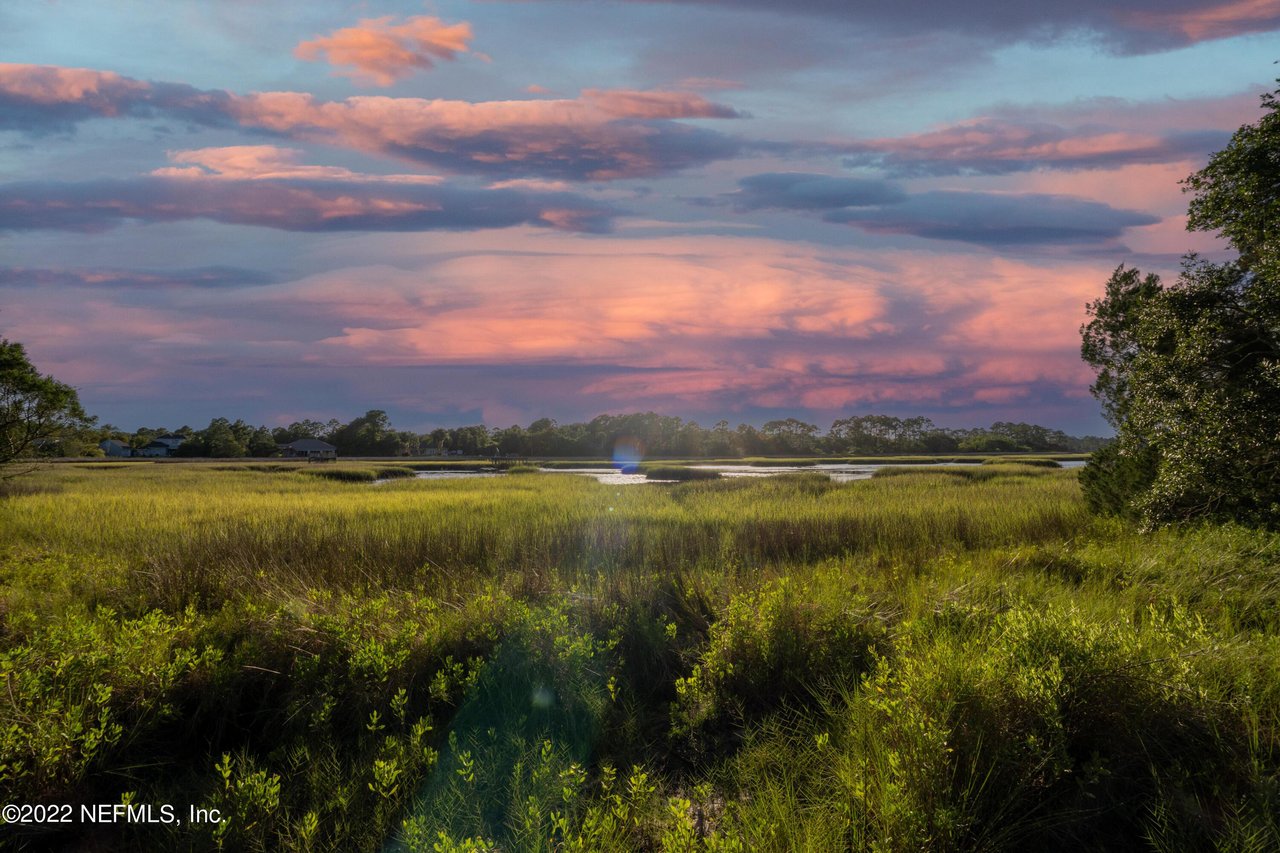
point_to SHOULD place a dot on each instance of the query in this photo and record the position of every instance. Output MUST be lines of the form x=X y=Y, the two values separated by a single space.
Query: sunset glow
x=498 y=211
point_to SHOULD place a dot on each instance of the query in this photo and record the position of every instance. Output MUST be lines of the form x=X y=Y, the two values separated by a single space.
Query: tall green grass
x=947 y=659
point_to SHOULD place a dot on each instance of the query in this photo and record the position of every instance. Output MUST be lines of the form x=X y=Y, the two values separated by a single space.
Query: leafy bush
x=1045 y=730
x=785 y=645
x=1024 y=460
x=344 y=475
x=1115 y=477
x=678 y=472
x=83 y=688
x=388 y=472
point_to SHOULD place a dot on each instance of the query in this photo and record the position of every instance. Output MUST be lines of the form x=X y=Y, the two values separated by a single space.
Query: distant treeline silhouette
x=654 y=435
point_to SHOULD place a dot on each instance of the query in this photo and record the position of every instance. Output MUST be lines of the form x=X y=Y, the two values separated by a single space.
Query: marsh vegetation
x=953 y=658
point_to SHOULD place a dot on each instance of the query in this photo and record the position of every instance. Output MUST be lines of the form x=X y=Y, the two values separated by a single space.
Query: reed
x=948 y=658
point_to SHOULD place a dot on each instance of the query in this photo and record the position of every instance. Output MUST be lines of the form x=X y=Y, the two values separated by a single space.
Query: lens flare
x=627 y=453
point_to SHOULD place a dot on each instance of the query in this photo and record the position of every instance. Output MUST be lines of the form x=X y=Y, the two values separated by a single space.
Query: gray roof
x=309 y=444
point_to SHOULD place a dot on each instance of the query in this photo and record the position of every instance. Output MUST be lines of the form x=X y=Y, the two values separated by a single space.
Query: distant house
x=154 y=448
x=111 y=447
x=161 y=445
x=309 y=448
x=170 y=440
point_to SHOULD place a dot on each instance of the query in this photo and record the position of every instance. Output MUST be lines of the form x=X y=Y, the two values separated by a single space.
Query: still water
x=839 y=472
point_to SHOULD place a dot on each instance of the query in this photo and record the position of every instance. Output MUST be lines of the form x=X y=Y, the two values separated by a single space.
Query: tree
x=1238 y=193
x=35 y=410
x=790 y=436
x=1189 y=372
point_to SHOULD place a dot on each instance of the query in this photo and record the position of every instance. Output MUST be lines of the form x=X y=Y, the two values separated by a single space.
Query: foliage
x=931 y=660
x=1189 y=372
x=1238 y=193
x=656 y=436
x=778 y=647
x=678 y=472
x=35 y=410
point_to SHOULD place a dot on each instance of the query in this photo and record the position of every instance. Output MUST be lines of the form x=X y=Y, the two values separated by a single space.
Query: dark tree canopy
x=1189 y=372
x=1238 y=193
x=35 y=410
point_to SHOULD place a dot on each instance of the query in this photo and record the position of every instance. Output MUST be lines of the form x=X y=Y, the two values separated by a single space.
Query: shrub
x=394 y=472
x=1115 y=478
x=1033 y=461
x=787 y=644
x=1044 y=730
x=679 y=472
x=344 y=475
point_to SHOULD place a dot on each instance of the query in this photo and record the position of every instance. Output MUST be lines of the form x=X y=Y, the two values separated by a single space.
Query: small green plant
x=678 y=472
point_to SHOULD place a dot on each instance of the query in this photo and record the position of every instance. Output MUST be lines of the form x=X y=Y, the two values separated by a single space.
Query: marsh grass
x=679 y=473
x=956 y=658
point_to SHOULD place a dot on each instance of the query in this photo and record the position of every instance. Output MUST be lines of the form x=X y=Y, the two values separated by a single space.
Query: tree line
x=372 y=434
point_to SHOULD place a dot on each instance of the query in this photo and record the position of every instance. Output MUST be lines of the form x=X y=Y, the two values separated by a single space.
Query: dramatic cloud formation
x=715 y=325
x=38 y=99
x=717 y=209
x=995 y=146
x=602 y=135
x=983 y=218
x=803 y=191
x=268 y=162
x=121 y=279
x=1099 y=133
x=381 y=52
x=292 y=205
x=1124 y=25
x=993 y=219
x=599 y=136
x=1210 y=21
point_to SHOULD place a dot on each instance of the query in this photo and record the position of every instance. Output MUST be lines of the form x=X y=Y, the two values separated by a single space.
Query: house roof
x=309 y=444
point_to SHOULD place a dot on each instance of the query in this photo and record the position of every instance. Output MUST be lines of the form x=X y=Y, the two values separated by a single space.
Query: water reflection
x=837 y=471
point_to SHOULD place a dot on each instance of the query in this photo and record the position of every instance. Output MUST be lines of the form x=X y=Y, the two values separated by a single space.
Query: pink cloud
x=634 y=104
x=601 y=135
x=102 y=91
x=763 y=323
x=1097 y=133
x=381 y=52
x=268 y=162
x=1221 y=21
x=697 y=323
x=306 y=200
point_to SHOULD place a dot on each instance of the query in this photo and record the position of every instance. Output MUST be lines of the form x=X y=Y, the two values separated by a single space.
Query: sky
x=465 y=212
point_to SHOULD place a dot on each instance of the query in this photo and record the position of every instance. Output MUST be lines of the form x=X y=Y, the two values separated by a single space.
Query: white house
x=111 y=447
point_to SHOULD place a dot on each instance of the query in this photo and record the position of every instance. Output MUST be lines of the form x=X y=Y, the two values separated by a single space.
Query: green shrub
x=678 y=472
x=1023 y=460
x=785 y=645
x=1042 y=730
x=85 y=687
x=344 y=475
x=388 y=472
x=1116 y=477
